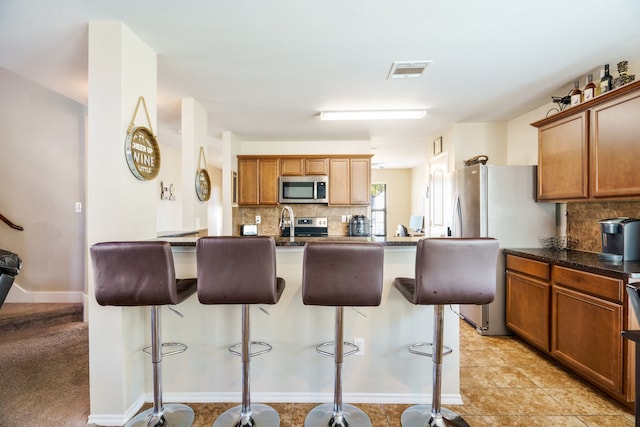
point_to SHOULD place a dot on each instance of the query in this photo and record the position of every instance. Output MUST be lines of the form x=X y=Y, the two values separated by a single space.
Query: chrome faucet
x=291 y=221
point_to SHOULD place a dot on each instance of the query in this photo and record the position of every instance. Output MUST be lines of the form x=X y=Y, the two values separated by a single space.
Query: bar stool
x=241 y=270
x=136 y=274
x=448 y=271
x=340 y=274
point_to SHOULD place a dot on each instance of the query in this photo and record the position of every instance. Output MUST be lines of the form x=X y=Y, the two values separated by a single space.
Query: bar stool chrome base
x=414 y=416
x=172 y=415
x=324 y=416
x=260 y=416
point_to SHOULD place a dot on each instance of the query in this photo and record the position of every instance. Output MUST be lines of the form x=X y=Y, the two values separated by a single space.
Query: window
x=379 y=209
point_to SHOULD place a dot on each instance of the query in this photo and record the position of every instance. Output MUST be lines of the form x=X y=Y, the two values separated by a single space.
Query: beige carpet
x=44 y=377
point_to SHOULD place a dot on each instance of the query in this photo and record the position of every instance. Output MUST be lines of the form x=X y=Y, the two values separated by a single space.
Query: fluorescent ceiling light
x=373 y=115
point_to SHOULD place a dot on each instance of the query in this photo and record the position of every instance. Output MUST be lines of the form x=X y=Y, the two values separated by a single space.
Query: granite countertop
x=301 y=241
x=587 y=261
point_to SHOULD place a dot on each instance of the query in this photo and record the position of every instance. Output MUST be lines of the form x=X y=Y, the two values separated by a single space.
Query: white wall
x=42 y=177
x=170 y=212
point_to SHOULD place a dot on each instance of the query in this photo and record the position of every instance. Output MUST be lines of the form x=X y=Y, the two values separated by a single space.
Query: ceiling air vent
x=408 y=69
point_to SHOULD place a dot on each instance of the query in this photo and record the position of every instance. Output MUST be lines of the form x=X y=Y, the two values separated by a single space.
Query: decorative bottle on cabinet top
x=589 y=91
x=576 y=94
x=606 y=82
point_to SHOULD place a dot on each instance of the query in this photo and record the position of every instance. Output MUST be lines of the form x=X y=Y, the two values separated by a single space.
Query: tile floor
x=503 y=383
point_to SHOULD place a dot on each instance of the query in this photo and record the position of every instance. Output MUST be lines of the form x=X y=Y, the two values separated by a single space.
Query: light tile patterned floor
x=503 y=383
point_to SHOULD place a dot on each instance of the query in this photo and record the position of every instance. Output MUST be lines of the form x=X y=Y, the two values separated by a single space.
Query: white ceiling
x=265 y=69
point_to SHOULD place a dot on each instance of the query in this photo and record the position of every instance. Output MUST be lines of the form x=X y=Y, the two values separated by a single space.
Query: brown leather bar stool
x=448 y=271
x=136 y=274
x=341 y=274
x=241 y=270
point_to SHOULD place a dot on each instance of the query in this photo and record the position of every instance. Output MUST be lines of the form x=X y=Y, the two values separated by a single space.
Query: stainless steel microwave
x=303 y=189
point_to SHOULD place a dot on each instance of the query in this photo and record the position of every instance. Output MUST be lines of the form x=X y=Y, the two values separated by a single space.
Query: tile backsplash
x=583 y=220
x=270 y=217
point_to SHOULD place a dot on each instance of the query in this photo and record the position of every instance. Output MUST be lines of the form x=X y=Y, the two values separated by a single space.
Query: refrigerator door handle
x=457 y=216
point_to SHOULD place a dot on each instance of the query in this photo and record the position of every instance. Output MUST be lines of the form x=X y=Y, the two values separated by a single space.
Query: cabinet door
x=615 y=147
x=339 y=182
x=586 y=336
x=292 y=167
x=268 y=181
x=563 y=159
x=360 y=181
x=316 y=167
x=528 y=314
x=247 y=182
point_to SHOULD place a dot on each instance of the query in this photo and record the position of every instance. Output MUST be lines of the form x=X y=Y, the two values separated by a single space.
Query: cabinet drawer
x=594 y=284
x=538 y=269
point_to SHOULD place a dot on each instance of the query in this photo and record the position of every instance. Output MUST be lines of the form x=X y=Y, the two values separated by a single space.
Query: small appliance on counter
x=359 y=226
x=308 y=227
x=620 y=239
x=249 y=230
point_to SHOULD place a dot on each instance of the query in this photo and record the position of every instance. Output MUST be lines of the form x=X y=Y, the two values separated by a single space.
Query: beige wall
x=42 y=176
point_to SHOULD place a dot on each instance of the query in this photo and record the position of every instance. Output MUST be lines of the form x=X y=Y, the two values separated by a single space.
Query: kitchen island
x=293 y=371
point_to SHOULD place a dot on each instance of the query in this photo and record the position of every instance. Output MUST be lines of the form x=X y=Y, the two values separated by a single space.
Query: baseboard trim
x=17 y=294
x=119 y=419
x=355 y=398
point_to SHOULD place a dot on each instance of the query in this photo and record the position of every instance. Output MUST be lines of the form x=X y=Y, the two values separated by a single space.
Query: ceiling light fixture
x=373 y=114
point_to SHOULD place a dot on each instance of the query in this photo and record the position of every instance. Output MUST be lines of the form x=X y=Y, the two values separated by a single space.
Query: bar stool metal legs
x=169 y=415
x=415 y=416
x=337 y=414
x=247 y=415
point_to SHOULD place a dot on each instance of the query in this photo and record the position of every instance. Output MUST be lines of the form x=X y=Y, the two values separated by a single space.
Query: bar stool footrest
x=320 y=348
x=177 y=348
x=414 y=349
x=266 y=348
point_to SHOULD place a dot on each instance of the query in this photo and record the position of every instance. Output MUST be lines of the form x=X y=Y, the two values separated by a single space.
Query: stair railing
x=10 y=224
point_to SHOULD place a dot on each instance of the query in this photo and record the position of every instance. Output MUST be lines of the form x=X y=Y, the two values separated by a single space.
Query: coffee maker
x=620 y=239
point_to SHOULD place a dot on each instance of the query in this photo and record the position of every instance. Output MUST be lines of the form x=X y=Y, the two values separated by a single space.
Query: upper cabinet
x=563 y=149
x=350 y=181
x=615 y=147
x=299 y=166
x=257 y=181
x=589 y=151
x=349 y=177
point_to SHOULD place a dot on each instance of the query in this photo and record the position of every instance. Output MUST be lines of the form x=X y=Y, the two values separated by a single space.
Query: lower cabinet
x=587 y=317
x=575 y=317
x=528 y=300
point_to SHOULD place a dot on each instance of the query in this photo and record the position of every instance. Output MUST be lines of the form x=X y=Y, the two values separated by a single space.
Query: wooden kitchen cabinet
x=349 y=181
x=587 y=316
x=300 y=166
x=563 y=159
x=339 y=182
x=528 y=293
x=292 y=167
x=257 y=181
x=589 y=151
x=316 y=166
x=615 y=147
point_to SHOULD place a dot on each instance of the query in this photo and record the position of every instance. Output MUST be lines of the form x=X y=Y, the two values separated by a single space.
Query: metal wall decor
x=141 y=148
x=203 y=182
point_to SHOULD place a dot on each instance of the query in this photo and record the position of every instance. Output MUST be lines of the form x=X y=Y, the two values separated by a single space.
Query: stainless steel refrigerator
x=500 y=202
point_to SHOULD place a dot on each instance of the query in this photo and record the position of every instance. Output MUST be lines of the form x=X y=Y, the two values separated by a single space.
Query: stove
x=308 y=227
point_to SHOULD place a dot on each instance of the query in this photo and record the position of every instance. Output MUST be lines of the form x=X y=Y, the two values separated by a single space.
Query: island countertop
x=301 y=241
x=581 y=260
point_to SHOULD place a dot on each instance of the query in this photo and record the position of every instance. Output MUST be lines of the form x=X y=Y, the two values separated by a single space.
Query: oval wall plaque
x=203 y=185
x=142 y=153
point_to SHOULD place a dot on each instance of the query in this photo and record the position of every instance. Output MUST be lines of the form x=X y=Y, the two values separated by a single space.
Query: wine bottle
x=589 y=91
x=576 y=94
x=606 y=82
